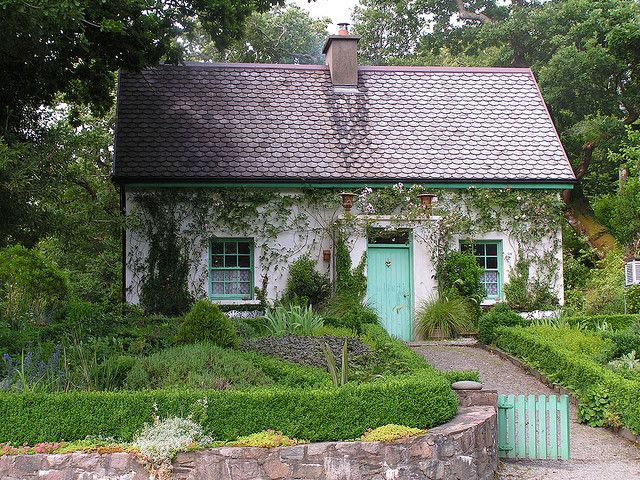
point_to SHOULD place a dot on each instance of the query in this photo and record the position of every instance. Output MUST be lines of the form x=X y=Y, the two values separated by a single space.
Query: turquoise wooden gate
x=529 y=427
x=389 y=287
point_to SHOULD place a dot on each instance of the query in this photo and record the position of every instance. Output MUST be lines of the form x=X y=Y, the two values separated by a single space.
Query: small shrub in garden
x=594 y=405
x=498 y=316
x=306 y=283
x=525 y=294
x=627 y=366
x=112 y=373
x=206 y=322
x=347 y=311
x=622 y=342
x=162 y=440
x=265 y=439
x=389 y=433
x=203 y=365
x=243 y=328
x=445 y=316
x=460 y=272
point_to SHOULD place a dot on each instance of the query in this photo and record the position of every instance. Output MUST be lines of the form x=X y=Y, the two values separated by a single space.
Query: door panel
x=389 y=288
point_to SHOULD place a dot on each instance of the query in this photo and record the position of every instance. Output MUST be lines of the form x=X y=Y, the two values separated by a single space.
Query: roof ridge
x=364 y=68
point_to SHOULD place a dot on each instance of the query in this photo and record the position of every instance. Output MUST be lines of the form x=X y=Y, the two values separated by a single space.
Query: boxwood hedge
x=575 y=371
x=422 y=399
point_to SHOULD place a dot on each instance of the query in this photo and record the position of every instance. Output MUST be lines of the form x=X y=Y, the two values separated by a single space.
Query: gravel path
x=596 y=454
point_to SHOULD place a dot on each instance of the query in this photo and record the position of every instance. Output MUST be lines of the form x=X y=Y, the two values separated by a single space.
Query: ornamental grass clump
x=446 y=316
x=292 y=319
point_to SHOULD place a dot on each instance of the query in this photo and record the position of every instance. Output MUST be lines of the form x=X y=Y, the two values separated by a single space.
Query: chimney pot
x=344 y=29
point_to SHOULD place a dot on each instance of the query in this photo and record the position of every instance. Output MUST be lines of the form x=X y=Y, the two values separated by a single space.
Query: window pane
x=230 y=261
x=492 y=262
x=479 y=249
x=244 y=260
x=492 y=249
x=217 y=276
x=217 y=288
x=231 y=276
x=216 y=261
x=244 y=288
x=466 y=248
x=492 y=289
x=231 y=288
x=230 y=247
x=244 y=248
x=244 y=275
x=481 y=262
x=489 y=277
x=217 y=247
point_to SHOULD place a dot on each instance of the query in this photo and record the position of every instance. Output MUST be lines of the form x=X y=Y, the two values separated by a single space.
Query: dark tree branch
x=465 y=14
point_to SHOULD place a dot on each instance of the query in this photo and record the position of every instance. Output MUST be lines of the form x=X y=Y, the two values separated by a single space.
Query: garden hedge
x=575 y=371
x=615 y=322
x=422 y=399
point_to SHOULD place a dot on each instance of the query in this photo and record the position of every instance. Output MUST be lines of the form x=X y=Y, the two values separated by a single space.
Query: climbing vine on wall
x=179 y=224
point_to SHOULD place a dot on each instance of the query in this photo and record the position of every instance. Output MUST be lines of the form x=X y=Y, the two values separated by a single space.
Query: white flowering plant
x=161 y=440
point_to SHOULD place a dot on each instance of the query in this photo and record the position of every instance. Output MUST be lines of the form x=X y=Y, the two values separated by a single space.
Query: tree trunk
x=582 y=219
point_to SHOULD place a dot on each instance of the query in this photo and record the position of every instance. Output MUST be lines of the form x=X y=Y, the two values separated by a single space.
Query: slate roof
x=245 y=122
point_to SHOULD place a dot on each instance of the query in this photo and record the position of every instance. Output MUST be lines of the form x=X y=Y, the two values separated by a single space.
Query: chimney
x=342 y=57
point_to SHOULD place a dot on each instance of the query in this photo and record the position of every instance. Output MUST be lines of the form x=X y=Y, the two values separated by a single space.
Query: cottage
x=232 y=171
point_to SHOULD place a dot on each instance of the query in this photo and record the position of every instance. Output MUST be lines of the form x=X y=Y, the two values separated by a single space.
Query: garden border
x=622 y=432
x=465 y=447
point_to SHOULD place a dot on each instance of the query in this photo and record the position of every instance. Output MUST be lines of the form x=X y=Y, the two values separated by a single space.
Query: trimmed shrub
x=446 y=316
x=497 y=316
x=421 y=400
x=206 y=322
x=572 y=339
x=576 y=372
x=305 y=283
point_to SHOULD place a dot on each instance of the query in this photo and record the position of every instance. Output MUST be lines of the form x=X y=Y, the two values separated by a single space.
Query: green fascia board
x=444 y=185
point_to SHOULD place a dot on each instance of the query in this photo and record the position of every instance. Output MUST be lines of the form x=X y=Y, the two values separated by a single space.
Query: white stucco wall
x=313 y=241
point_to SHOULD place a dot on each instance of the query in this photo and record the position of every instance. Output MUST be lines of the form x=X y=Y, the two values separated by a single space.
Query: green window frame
x=231 y=269
x=488 y=253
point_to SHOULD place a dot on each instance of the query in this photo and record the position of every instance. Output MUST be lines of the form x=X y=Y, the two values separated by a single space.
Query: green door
x=389 y=287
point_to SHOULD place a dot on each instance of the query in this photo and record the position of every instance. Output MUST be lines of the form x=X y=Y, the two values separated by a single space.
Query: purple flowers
x=29 y=372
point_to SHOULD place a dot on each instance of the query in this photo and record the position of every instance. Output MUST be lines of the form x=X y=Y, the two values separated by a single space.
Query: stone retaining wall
x=463 y=449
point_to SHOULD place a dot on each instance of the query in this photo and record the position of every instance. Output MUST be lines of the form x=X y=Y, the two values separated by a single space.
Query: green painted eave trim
x=449 y=185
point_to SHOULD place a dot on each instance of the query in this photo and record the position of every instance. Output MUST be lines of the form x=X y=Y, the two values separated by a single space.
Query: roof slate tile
x=260 y=123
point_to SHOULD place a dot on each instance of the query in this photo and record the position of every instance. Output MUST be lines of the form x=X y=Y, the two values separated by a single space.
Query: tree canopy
x=73 y=47
x=584 y=54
